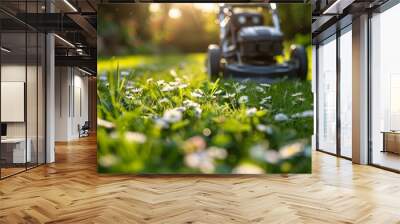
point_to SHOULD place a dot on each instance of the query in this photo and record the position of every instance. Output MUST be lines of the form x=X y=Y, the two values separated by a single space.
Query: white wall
x=12 y=73
x=13 y=101
x=71 y=94
x=62 y=81
x=33 y=126
x=80 y=110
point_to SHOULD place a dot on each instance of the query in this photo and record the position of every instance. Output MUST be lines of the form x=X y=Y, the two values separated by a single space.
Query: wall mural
x=204 y=88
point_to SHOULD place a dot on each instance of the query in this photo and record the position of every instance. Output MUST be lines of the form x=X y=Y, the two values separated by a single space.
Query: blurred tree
x=122 y=27
x=189 y=33
x=295 y=20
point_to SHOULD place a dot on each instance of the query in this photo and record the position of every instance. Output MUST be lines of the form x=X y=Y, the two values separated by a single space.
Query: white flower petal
x=108 y=160
x=161 y=123
x=260 y=89
x=251 y=111
x=104 y=123
x=257 y=151
x=164 y=100
x=297 y=94
x=136 y=137
x=160 y=82
x=172 y=116
x=291 y=150
x=217 y=152
x=272 y=156
x=243 y=99
x=168 y=88
x=281 y=117
x=307 y=113
x=265 y=85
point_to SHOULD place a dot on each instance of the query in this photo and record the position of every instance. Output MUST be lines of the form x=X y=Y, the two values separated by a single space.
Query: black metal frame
x=338 y=98
x=369 y=114
x=44 y=73
x=316 y=97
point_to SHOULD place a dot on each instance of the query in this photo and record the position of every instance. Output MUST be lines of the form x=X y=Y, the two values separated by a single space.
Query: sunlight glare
x=206 y=7
x=154 y=7
x=174 y=13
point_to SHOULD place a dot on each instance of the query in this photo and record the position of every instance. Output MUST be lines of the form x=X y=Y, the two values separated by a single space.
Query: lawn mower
x=248 y=48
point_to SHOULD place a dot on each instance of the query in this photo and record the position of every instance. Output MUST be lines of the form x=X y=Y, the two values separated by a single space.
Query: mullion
x=369 y=100
x=317 y=96
x=45 y=88
x=338 y=94
x=37 y=90
x=26 y=87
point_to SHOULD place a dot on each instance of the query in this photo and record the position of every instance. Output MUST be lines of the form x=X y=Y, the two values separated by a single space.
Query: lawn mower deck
x=266 y=73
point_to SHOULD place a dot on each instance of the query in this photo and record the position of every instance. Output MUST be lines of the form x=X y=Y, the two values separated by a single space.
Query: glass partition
x=22 y=88
x=41 y=109
x=346 y=92
x=385 y=89
x=13 y=94
x=32 y=97
x=327 y=95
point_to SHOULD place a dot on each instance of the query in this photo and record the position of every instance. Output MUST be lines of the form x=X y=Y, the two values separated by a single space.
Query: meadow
x=161 y=114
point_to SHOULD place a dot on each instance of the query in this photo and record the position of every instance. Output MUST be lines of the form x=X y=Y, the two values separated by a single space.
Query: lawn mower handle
x=271 y=8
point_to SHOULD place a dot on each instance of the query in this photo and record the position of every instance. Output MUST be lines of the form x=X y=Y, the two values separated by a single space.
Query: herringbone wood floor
x=70 y=191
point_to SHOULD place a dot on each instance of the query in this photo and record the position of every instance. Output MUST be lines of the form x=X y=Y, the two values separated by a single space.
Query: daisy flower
x=172 y=116
x=251 y=111
x=243 y=99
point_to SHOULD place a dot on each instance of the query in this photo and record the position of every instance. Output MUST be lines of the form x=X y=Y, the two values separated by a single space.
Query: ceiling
x=74 y=22
x=327 y=13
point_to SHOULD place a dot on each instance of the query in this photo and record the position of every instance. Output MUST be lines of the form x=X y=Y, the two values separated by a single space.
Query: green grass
x=187 y=124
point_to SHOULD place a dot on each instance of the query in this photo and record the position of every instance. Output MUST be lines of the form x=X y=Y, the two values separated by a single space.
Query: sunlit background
x=126 y=29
